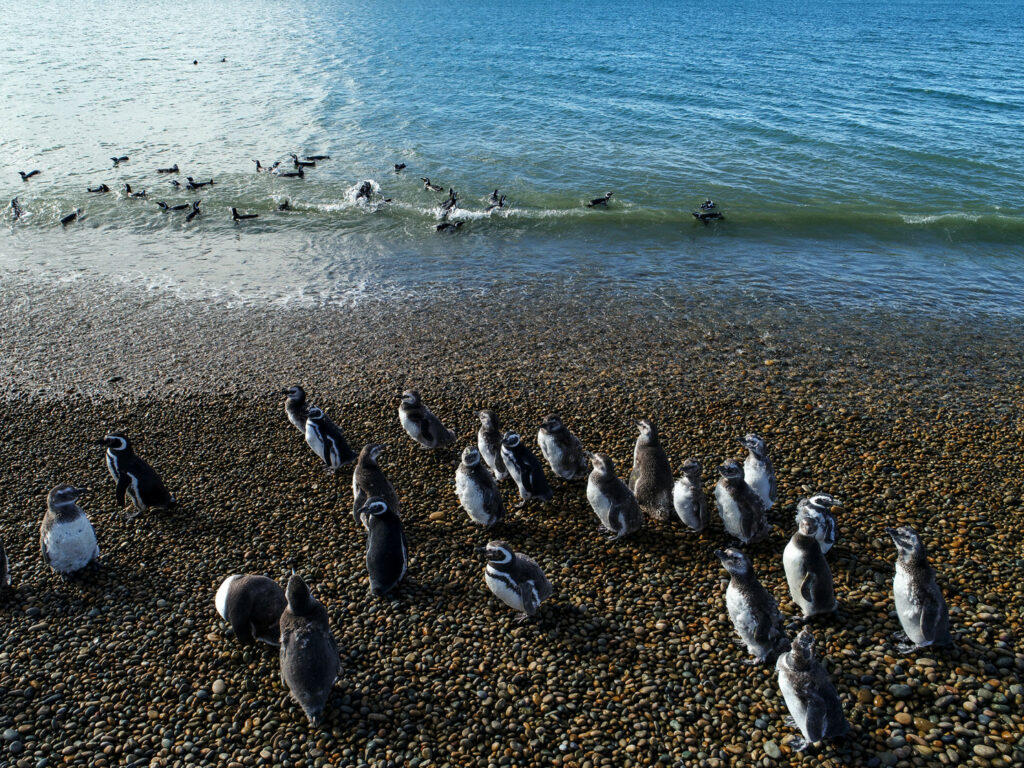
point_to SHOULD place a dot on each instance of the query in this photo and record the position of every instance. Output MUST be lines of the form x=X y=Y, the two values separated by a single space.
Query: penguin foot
x=790 y=721
x=521 y=504
x=522 y=618
x=132 y=514
x=755 y=662
x=907 y=648
x=799 y=744
x=329 y=470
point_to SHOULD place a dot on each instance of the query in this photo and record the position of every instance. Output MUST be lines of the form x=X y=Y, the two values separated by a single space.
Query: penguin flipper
x=817 y=718
x=122 y=486
x=528 y=595
x=931 y=615
x=243 y=628
x=42 y=549
x=807 y=587
x=359 y=502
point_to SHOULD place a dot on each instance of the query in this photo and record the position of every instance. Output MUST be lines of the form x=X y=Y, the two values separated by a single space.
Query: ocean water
x=864 y=153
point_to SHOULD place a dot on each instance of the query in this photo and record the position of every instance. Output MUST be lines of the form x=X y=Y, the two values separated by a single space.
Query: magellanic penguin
x=488 y=441
x=758 y=470
x=296 y=407
x=525 y=469
x=613 y=503
x=368 y=480
x=811 y=698
x=807 y=571
x=387 y=551
x=309 y=655
x=134 y=477
x=820 y=506
x=66 y=537
x=919 y=602
x=651 y=478
x=5 y=569
x=688 y=499
x=754 y=611
x=421 y=424
x=478 y=490
x=515 y=579
x=327 y=441
x=562 y=449
x=252 y=605
x=739 y=506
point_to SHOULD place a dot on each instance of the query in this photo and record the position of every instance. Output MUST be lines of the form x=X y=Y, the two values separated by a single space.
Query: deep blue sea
x=863 y=153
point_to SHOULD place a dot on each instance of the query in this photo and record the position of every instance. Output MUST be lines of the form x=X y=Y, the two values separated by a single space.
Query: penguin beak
x=893 y=533
x=720 y=554
x=283 y=392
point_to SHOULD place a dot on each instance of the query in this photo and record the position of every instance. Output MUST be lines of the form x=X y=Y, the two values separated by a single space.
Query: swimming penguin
x=600 y=200
x=365 y=191
x=236 y=216
x=752 y=608
x=452 y=202
x=431 y=187
x=285 y=206
x=688 y=499
x=119 y=160
x=252 y=605
x=387 y=550
x=295 y=407
x=100 y=189
x=65 y=220
x=562 y=449
x=499 y=203
x=308 y=655
x=819 y=506
x=399 y=167
x=810 y=697
x=172 y=169
x=739 y=506
x=128 y=191
x=478 y=490
x=449 y=226
x=259 y=167
x=165 y=207
x=314 y=158
x=651 y=478
x=299 y=174
x=175 y=183
x=302 y=163
x=66 y=537
x=5 y=571
x=193 y=184
x=758 y=470
x=422 y=425
x=707 y=205
x=488 y=441
x=706 y=217
x=16 y=209
x=515 y=579
x=134 y=477
x=29 y=175
x=525 y=470
x=369 y=481
x=327 y=441
x=195 y=211
x=613 y=503
x=494 y=197
x=919 y=602
x=807 y=571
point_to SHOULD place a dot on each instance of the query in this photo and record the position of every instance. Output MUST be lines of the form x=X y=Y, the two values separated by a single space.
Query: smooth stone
x=772 y=750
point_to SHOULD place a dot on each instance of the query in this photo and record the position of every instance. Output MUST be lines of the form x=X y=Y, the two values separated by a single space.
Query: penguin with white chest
x=296 y=407
x=811 y=698
x=515 y=579
x=688 y=499
x=387 y=550
x=134 y=477
x=421 y=424
x=525 y=470
x=66 y=537
x=613 y=503
x=651 y=478
x=758 y=470
x=478 y=490
x=252 y=605
x=369 y=480
x=752 y=608
x=309 y=655
x=741 y=509
x=820 y=506
x=807 y=572
x=919 y=602
x=562 y=449
x=327 y=441
x=488 y=442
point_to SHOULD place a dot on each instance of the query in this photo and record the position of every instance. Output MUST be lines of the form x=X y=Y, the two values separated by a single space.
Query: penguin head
x=371 y=452
x=470 y=456
x=375 y=505
x=552 y=422
x=754 y=444
x=489 y=419
x=819 y=502
x=807 y=525
x=648 y=432
x=295 y=393
x=314 y=414
x=802 y=654
x=63 y=495
x=300 y=601
x=510 y=440
x=734 y=561
x=602 y=463
x=410 y=397
x=498 y=552
x=692 y=469
x=115 y=441
x=731 y=470
x=909 y=546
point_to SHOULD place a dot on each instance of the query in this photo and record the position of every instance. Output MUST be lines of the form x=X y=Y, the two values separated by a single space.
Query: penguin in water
x=919 y=602
x=752 y=608
x=172 y=169
x=651 y=478
x=488 y=441
x=73 y=216
x=399 y=167
x=807 y=571
x=613 y=503
x=810 y=697
x=314 y=158
x=688 y=499
x=562 y=449
x=194 y=212
x=365 y=191
x=193 y=184
x=525 y=470
x=327 y=441
x=29 y=175
x=387 y=550
x=102 y=188
x=236 y=216
x=302 y=163
x=600 y=200
x=252 y=605
x=119 y=160
x=449 y=226
x=515 y=579
x=368 y=481
x=758 y=470
x=16 y=210
x=430 y=187
x=5 y=570
x=295 y=407
x=165 y=207
x=739 y=506
x=66 y=537
x=309 y=655
x=478 y=490
x=134 y=477
x=421 y=424
x=820 y=506
x=130 y=193
x=499 y=203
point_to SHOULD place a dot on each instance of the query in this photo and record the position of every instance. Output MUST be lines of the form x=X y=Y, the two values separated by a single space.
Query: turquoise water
x=864 y=153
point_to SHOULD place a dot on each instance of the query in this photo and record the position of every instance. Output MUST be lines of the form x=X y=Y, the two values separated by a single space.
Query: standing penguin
x=5 y=572
x=327 y=441
x=819 y=506
x=807 y=571
x=422 y=425
x=758 y=470
x=478 y=490
x=134 y=477
x=752 y=608
x=562 y=449
x=688 y=497
x=614 y=504
x=252 y=605
x=515 y=579
x=66 y=537
x=369 y=480
x=309 y=655
x=810 y=697
x=740 y=508
x=488 y=442
x=296 y=407
x=525 y=469
x=651 y=478
x=387 y=551
x=919 y=602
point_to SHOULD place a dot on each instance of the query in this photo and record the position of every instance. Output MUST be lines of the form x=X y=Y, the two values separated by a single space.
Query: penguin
x=102 y=188
x=259 y=166
x=422 y=425
x=810 y=697
x=706 y=217
x=807 y=571
x=193 y=184
x=175 y=183
x=285 y=206
x=499 y=203
x=165 y=207
x=562 y=449
x=478 y=490
x=452 y=202
x=739 y=506
x=494 y=197
x=252 y=605
x=819 y=506
x=308 y=654
x=449 y=226
x=919 y=602
x=707 y=205
x=327 y=441
x=16 y=210
x=128 y=191
x=299 y=174
x=613 y=503
x=399 y=167
x=302 y=163
x=758 y=470
x=236 y=216
x=365 y=191
x=172 y=169
x=387 y=550
x=600 y=200
x=368 y=481
x=314 y=158
x=5 y=571
x=29 y=175
x=688 y=499
x=488 y=441
x=66 y=537
x=195 y=211
x=134 y=477
x=651 y=478
x=515 y=579
x=295 y=407
x=65 y=220
x=430 y=187
x=752 y=608
x=119 y=160
x=525 y=470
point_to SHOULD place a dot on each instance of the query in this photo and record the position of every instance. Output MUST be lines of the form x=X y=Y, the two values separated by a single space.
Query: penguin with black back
x=308 y=654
